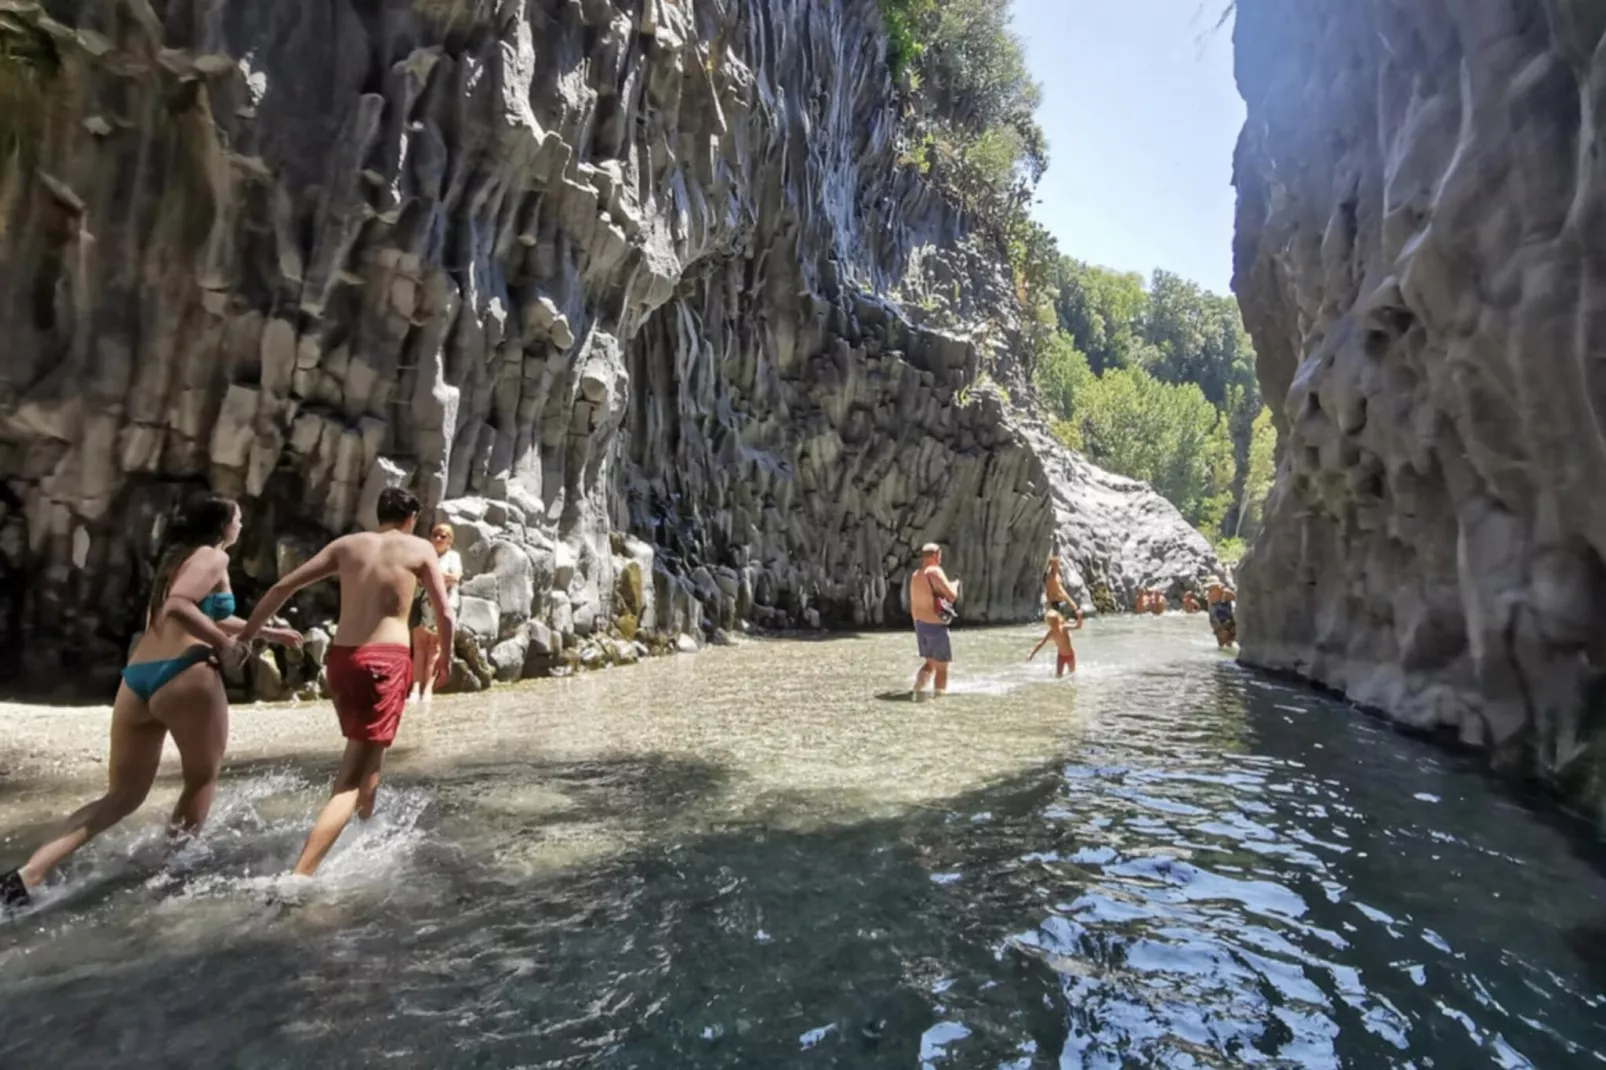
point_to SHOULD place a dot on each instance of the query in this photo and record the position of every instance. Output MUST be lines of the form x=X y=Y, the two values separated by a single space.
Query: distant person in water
x=931 y=602
x=1222 y=618
x=1061 y=634
x=426 y=643
x=1140 y=601
x=1190 y=604
x=171 y=685
x=1158 y=603
x=1054 y=589
x=370 y=665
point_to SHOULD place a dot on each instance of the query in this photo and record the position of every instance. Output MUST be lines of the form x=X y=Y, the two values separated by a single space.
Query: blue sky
x=1141 y=115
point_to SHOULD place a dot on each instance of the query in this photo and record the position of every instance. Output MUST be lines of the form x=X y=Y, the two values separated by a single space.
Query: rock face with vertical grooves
x=1421 y=227
x=617 y=287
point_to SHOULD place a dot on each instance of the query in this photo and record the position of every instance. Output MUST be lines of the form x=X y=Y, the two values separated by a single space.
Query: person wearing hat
x=931 y=602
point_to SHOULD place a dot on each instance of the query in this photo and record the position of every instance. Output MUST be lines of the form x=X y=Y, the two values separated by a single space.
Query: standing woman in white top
x=426 y=643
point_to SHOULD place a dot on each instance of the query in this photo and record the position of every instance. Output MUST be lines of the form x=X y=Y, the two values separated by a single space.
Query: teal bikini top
x=219 y=605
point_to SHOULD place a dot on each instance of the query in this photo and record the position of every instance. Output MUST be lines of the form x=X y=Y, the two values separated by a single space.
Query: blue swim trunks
x=933 y=641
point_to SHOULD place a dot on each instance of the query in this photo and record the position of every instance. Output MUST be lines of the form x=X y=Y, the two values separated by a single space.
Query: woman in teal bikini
x=170 y=685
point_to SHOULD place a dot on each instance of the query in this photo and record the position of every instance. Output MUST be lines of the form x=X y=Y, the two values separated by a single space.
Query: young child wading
x=1061 y=635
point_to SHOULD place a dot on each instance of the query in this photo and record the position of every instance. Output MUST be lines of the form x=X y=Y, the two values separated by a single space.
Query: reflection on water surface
x=753 y=858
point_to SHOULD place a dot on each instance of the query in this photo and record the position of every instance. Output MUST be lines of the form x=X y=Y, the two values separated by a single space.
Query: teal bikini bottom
x=145 y=678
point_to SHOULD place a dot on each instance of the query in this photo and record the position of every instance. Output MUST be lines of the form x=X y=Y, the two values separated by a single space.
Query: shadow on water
x=1219 y=871
x=721 y=950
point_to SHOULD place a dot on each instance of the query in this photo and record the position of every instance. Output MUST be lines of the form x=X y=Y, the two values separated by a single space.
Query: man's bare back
x=369 y=668
x=379 y=575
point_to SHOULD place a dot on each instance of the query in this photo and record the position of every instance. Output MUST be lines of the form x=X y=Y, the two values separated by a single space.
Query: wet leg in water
x=355 y=787
x=195 y=709
x=136 y=751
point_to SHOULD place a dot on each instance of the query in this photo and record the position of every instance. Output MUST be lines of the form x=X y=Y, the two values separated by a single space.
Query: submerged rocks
x=1419 y=213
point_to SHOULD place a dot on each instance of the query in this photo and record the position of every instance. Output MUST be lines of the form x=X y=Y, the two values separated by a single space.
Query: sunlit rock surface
x=635 y=294
x=1421 y=226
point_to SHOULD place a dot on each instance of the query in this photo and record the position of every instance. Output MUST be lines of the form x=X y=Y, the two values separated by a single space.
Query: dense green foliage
x=1158 y=383
x=1155 y=382
x=901 y=19
x=972 y=123
x=1259 y=473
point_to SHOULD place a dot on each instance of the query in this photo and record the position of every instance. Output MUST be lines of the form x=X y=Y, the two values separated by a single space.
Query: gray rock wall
x=614 y=285
x=1421 y=219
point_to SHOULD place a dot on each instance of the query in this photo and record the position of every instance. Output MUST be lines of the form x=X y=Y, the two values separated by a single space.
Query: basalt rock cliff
x=1421 y=259
x=636 y=292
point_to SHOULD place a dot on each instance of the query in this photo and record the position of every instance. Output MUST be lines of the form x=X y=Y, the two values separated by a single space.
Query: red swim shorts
x=370 y=685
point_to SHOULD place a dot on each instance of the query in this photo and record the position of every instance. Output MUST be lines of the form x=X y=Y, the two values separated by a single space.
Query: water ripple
x=1166 y=862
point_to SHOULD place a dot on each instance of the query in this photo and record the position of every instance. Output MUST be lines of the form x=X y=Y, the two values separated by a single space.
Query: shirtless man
x=929 y=584
x=1061 y=635
x=370 y=664
x=1190 y=604
x=1158 y=603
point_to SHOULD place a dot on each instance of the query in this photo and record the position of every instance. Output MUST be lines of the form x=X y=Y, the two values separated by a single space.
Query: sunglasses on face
x=439 y=535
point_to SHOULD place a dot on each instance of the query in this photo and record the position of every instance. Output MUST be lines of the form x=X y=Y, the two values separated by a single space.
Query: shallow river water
x=764 y=857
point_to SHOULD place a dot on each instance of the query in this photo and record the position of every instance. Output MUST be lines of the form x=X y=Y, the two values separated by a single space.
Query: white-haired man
x=931 y=602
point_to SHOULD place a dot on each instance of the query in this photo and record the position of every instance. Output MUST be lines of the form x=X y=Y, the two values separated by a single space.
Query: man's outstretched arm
x=322 y=565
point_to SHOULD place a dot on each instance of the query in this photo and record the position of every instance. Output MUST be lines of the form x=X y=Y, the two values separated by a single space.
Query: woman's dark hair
x=199 y=522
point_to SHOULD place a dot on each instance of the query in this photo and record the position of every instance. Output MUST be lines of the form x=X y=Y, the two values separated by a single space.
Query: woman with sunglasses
x=426 y=643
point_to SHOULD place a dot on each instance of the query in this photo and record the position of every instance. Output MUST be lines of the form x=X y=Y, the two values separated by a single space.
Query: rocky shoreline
x=647 y=299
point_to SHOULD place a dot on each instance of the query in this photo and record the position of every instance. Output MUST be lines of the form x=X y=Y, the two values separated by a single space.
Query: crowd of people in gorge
x=933 y=595
x=392 y=645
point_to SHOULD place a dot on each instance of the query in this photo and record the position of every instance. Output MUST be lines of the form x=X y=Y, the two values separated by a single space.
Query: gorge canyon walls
x=638 y=293
x=1421 y=260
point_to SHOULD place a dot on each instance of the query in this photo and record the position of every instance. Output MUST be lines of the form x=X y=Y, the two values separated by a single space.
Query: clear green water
x=759 y=858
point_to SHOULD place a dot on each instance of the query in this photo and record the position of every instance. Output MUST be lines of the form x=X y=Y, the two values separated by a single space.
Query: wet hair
x=199 y=522
x=1053 y=616
x=396 y=505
